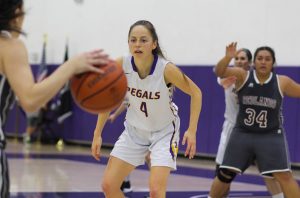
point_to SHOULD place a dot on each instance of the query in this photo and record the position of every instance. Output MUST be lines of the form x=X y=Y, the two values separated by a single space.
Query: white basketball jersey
x=231 y=103
x=150 y=100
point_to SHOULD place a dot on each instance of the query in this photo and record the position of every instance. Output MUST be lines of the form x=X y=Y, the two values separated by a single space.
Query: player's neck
x=262 y=78
x=144 y=66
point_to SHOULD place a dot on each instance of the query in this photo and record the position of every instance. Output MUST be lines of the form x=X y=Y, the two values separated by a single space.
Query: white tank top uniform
x=231 y=110
x=152 y=122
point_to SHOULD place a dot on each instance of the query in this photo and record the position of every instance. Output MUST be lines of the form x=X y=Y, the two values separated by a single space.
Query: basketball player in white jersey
x=16 y=76
x=242 y=59
x=152 y=122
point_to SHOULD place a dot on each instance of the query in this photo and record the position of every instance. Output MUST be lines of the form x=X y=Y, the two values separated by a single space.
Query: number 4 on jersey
x=143 y=108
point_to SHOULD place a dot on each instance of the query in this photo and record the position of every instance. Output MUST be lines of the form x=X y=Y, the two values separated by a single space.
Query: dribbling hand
x=87 y=61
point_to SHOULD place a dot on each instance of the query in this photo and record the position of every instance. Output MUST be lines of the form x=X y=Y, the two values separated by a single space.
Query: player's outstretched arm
x=289 y=87
x=33 y=96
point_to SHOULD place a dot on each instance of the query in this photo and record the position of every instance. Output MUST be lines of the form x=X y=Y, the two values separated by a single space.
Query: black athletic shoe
x=126 y=187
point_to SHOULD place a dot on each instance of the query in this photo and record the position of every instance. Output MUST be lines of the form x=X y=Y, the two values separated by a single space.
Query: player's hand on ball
x=88 y=61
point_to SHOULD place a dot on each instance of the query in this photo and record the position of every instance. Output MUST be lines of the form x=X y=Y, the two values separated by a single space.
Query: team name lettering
x=260 y=101
x=144 y=94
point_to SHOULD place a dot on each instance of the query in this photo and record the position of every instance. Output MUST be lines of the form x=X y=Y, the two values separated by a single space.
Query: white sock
x=280 y=195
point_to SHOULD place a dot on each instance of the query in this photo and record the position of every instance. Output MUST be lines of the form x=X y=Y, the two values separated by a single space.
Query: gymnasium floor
x=47 y=171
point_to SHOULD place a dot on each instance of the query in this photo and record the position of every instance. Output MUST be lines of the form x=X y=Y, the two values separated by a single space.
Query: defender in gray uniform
x=258 y=133
x=242 y=59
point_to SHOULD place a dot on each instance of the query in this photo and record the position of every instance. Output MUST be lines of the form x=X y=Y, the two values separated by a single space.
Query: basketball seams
x=100 y=94
x=99 y=91
x=80 y=85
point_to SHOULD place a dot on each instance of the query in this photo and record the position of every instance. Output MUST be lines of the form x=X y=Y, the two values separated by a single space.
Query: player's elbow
x=197 y=93
x=29 y=105
x=219 y=72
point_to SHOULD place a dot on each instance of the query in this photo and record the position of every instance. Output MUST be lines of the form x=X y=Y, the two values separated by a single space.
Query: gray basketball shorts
x=134 y=144
x=269 y=150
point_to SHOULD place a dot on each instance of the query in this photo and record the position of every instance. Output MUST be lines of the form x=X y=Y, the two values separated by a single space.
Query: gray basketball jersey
x=260 y=104
x=150 y=99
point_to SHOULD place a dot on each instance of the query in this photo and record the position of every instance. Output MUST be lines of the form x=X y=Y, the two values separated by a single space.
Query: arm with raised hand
x=223 y=71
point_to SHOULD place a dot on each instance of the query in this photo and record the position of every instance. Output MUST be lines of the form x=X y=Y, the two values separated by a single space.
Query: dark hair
x=269 y=49
x=8 y=12
x=248 y=53
x=150 y=27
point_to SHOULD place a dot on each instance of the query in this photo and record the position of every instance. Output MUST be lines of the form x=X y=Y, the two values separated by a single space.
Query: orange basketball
x=97 y=93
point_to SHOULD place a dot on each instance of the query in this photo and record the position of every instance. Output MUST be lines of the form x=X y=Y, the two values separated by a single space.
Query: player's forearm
x=195 y=109
x=120 y=110
x=102 y=118
x=221 y=66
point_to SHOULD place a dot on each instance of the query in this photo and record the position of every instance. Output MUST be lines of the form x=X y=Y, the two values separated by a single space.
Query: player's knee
x=283 y=176
x=154 y=190
x=157 y=189
x=225 y=175
x=107 y=186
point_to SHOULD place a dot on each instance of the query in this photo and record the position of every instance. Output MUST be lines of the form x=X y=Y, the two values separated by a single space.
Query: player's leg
x=128 y=152
x=218 y=186
x=115 y=172
x=273 y=187
x=288 y=184
x=163 y=155
x=236 y=160
x=225 y=134
x=126 y=184
x=221 y=183
x=158 y=181
x=275 y=160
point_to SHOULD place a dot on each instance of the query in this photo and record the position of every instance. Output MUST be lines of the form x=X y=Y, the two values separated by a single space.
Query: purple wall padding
x=80 y=126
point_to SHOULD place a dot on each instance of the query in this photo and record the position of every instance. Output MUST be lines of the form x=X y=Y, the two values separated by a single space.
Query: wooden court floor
x=48 y=171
